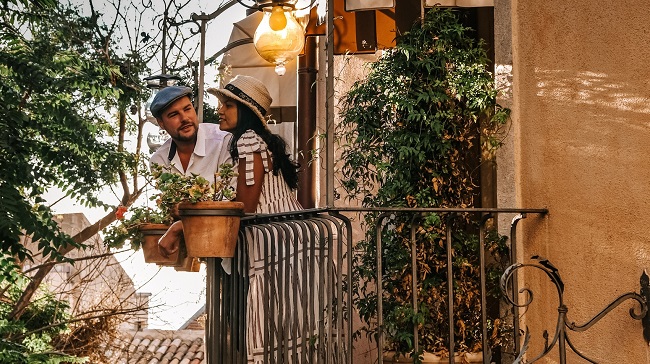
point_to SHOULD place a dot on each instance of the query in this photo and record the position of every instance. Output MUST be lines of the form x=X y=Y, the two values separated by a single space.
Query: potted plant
x=210 y=218
x=142 y=228
x=414 y=132
x=189 y=264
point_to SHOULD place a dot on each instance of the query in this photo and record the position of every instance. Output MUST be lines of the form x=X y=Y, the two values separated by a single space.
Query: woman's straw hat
x=249 y=91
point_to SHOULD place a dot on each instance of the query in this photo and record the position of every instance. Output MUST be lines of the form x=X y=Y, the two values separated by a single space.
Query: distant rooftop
x=159 y=347
x=196 y=322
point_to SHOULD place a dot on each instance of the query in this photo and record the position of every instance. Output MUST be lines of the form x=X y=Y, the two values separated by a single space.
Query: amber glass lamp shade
x=276 y=41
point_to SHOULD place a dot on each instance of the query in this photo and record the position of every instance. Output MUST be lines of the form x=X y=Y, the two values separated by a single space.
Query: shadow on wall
x=603 y=94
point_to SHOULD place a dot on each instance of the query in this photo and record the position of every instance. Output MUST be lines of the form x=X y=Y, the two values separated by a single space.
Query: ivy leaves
x=413 y=133
x=415 y=122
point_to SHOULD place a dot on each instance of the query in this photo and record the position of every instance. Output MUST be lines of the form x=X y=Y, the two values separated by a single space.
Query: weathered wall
x=92 y=284
x=581 y=128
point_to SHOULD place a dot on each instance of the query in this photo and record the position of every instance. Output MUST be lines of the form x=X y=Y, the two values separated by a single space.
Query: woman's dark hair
x=247 y=119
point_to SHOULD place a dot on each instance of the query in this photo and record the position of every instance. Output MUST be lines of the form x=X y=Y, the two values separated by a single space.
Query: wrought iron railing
x=563 y=325
x=299 y=275
x=305 y=261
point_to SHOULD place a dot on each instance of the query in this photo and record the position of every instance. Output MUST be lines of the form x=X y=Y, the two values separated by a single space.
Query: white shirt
x=210 y=151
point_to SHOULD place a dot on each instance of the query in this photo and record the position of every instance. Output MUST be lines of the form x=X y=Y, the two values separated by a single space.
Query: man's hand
x=169 y=243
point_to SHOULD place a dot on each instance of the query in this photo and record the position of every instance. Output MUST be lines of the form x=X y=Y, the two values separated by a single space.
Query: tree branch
x=96 y=256
x=85 y=234
x=66 y=322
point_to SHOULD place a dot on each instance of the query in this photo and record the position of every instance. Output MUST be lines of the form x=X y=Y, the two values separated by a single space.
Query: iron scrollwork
x=560 y=337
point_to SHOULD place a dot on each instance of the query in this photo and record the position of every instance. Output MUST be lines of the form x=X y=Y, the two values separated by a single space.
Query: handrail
x=311 y=320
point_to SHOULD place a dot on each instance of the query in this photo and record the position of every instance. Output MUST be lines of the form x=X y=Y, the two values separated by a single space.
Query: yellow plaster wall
x=581 y=128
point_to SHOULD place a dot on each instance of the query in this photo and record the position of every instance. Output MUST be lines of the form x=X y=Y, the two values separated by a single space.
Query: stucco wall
x=581 y=123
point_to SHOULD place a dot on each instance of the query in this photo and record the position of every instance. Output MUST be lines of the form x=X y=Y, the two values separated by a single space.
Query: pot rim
x=219 y=208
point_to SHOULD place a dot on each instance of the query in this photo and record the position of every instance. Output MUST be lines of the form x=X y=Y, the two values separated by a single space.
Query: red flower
x=119 y=214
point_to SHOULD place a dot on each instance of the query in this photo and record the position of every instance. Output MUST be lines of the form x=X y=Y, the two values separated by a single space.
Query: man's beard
x=186 y=138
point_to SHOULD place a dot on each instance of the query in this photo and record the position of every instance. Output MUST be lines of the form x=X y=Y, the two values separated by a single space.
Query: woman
x=245 y=102
x=266 y=179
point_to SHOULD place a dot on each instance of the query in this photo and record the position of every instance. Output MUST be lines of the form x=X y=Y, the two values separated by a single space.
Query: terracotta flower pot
x=463 y=357
x=390 y=357
x=151 y=233
x=474 y=357
x=445 y=359
x=189 y=264
x=211 y=228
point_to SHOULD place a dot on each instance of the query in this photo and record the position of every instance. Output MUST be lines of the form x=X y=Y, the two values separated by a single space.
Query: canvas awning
x=460 y=3
x=241 y=58
x=359 y=5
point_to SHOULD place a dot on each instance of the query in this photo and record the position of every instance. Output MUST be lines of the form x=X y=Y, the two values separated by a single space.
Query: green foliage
x=57 y=81
x=422 y=107
x=210 y=114
x=175 y=188
x=116 y=235
x=29 y=339
x=414 y=131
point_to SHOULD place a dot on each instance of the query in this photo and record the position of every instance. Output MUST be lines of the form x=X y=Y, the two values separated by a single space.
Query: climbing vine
x=414 y=133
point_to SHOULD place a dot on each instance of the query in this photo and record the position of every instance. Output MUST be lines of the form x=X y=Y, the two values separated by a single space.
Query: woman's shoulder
x=250 y=141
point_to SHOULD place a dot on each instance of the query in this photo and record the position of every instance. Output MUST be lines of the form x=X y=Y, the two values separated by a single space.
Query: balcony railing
x=303 y=273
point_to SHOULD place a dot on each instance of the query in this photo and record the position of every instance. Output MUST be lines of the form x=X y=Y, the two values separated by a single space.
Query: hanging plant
x=128 y=224
x=414 y=131
x=210 y=218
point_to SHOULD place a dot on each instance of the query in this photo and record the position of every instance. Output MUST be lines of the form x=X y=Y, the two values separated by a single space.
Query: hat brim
x=223 y=94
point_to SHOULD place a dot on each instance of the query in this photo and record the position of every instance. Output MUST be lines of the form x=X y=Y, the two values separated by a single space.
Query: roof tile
x=161 y=347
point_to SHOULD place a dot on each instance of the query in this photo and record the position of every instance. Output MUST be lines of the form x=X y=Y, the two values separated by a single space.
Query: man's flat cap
x=166 y=97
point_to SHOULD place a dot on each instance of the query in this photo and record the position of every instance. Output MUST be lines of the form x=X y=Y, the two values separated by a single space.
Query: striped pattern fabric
x=247 y=145
x=276 y=196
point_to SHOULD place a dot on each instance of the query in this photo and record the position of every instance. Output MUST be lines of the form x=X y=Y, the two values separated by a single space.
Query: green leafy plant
x=128 y=228
x=175 y=188
x=414 y=132
x=31 y=338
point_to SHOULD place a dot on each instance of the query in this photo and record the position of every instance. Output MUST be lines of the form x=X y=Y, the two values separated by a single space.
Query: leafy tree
x=64 y=96
x=29 y=339
x=51 y=86
x=60 y=80
x=70 y=96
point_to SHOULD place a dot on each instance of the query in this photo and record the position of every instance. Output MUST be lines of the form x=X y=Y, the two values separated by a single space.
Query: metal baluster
x=450 y=289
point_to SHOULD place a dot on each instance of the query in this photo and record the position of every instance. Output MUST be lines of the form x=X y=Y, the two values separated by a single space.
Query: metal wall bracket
x=645 y=293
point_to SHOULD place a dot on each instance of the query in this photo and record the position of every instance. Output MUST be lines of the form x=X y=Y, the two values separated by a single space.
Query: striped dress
x=276 y=197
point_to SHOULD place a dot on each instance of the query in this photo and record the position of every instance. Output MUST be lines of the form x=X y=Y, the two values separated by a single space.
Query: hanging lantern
x=279 y=38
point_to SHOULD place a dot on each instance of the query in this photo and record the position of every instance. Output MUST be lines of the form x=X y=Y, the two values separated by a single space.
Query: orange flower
x=119 y=214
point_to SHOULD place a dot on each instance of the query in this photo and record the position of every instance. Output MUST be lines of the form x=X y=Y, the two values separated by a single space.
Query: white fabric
x=355 y=5
x=247 y=145
x=211 y=150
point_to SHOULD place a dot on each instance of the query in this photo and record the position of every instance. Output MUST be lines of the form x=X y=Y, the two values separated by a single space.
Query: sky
x=178 y=294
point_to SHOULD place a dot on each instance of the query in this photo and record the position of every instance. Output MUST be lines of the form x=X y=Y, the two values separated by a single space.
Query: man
x=193 y=147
